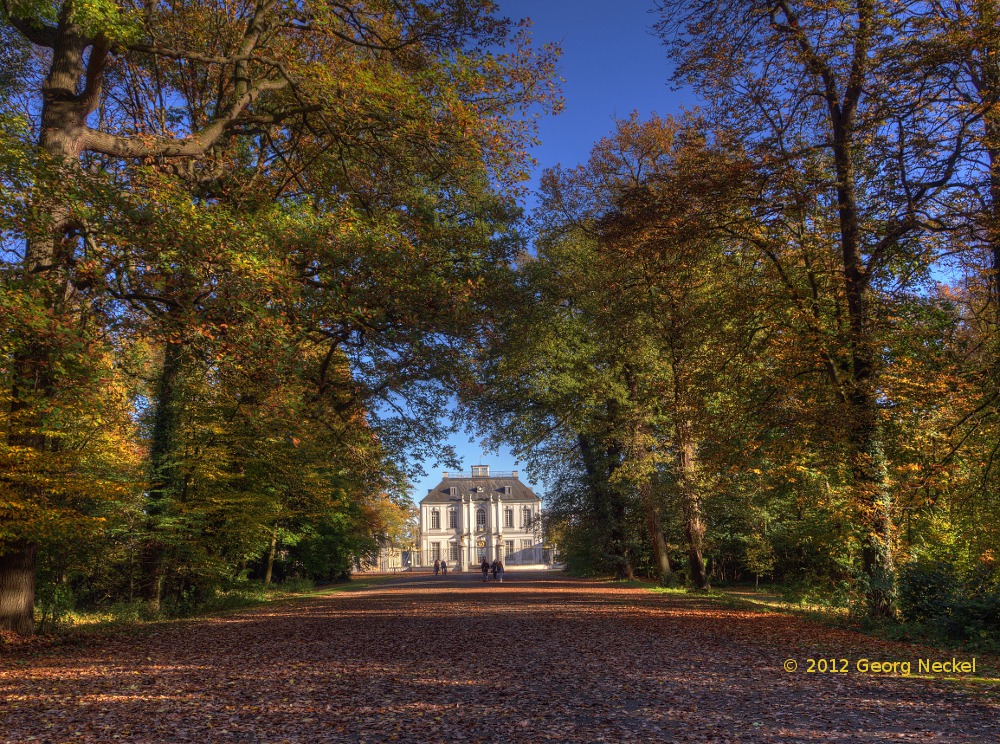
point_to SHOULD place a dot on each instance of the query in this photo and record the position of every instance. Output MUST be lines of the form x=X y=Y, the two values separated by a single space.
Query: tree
x=810 y=88
x=286 y=91
x=633 y=288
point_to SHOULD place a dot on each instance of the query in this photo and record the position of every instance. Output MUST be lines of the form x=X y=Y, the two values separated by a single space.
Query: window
x=526 y=518
x=435 y=551
x=508 y=517
x=452 y=519
x=526 y=544
x=453 y=552
x=480 y=471
x=435 y=519
x=480 y=520
x=508 y=548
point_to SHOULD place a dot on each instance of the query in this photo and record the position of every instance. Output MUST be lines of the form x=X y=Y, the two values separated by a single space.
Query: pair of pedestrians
x=496 y=567
x=441 y=566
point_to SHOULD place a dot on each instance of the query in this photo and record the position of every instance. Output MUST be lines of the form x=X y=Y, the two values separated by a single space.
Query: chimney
x=445 y=475
x=513 y=473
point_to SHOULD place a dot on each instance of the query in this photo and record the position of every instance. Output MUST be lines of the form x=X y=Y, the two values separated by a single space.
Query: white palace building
x=466 y=518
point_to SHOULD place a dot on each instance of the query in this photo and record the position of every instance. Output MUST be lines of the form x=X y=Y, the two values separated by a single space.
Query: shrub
x=961 y=606
x=55 y=601
x=926 y=589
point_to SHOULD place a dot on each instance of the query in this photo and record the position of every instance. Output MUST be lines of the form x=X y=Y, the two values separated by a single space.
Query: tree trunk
x=992 y=216
x=867 y=460
x=17 y=588
x=873 y=499
x=151 y=580
x=694 y=528
x=270 y=555
x=609 y=507
x=165 y=475
x=624 y=569
x=654 y=527
x=32 y=383
x=166 y=482
x=60 y=134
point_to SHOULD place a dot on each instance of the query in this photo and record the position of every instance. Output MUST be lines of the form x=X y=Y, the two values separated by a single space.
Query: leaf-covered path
x=537 y=658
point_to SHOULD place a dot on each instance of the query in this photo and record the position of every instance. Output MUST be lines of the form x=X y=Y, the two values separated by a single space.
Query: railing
x=470 y=559
x=479 y=474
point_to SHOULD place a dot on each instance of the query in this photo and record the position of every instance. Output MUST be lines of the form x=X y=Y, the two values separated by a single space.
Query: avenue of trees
x=761 y=338
x=252 y=251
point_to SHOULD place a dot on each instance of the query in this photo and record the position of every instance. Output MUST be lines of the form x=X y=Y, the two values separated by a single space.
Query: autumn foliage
x=240 y=247
x=759 y=340
x=252 y=251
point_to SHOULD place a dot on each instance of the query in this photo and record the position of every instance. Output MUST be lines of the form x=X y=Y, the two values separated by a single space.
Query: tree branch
x=37 y=33
x=813 y=61
x=187 y=55
x=91 y=96
x=194 y=146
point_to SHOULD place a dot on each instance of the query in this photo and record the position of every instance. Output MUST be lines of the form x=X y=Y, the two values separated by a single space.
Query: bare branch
x=194 y=146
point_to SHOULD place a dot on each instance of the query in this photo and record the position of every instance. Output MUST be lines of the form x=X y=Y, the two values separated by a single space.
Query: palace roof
x=480 y=486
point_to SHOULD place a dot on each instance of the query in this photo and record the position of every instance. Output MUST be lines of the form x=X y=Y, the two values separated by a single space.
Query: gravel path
x=538 y=658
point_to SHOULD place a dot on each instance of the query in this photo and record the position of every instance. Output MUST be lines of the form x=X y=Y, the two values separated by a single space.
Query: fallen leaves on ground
x=538 y=658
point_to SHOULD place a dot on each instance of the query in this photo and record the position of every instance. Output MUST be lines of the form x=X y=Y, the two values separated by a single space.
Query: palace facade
x=466 y=518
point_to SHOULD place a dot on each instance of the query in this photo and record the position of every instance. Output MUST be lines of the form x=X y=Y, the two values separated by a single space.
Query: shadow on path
x=541 y=657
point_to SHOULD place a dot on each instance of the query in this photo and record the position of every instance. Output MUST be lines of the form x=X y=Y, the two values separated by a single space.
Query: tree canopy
x=239 y=239
x=254 y=252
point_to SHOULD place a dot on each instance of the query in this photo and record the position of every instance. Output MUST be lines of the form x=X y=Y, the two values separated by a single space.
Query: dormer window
x=480 y=471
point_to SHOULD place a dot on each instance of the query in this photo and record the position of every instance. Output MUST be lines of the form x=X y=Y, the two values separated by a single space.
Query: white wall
x=494 y=536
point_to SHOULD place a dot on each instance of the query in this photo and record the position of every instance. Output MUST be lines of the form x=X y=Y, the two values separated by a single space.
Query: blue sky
x=611 y=65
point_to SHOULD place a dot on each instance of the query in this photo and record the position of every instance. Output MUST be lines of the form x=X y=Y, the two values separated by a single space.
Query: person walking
x=494 y=569
x=500 y=569
x=485 y=568
x=444 y=568
x=437 y=566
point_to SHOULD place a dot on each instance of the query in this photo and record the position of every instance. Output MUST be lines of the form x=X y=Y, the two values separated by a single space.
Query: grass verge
x=129 y=619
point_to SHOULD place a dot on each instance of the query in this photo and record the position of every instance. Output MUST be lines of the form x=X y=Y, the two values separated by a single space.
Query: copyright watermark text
x=833 y=665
